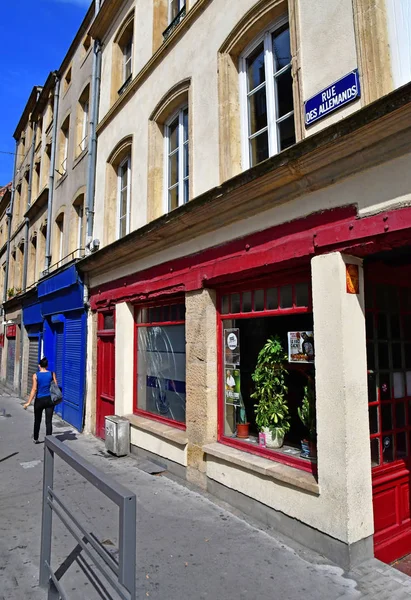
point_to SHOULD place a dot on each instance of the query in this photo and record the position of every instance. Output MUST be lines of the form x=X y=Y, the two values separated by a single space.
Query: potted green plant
x=242 y=423
x=271 y=412
x=10 y=293
x=307 y=414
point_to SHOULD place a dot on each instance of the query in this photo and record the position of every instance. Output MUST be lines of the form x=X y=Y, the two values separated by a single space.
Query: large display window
x=266 y=370
x=160 y=362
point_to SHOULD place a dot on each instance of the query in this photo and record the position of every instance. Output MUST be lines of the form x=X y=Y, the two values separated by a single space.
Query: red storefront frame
x=158 y=304
x=273 y=281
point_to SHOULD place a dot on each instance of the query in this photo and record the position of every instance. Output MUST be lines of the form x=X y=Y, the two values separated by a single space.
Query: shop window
x=161 y=362
x=388 y=328
x=177 y=172
x=266 y=89
x=276 y=317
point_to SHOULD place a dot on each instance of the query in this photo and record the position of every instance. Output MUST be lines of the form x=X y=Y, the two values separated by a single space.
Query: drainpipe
x=51 y=173
x=9 y=214
x=27 y=223
x=92 y=146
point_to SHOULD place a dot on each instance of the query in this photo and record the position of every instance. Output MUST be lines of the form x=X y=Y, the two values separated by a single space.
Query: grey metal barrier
x=121 y=574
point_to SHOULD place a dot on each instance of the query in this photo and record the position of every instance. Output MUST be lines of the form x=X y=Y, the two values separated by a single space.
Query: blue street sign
x=332 y=98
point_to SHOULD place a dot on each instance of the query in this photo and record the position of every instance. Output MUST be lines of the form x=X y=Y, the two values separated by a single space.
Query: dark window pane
x=375 y=452
x=185 y=124
x=382 y=326
x=406 y=299
x=165 y=316
x=173 y=198
x=235 y=303
x=399 y=415
x=369 y=324
x=257 y=106
x=381 y=297
x=385 y=386
x=272 y=298
x=186 y=191
x=174 y=311
x=225 y=305
x=246 y=301
x=173 y=135
x=383 y=360
x=373 y=415
x=142 y=315
x=286 y=133
x=259 y=148
x=407 y=348
x=395 y=326
x=369 y=296
x=396 y=356
x=284 y=84
x=255 y=67
x=186 y=160
x=406 y=322
x=108 y=321
x=399 y=385
x=281 y=48
x=387 y=449
x=301 y=294
x=372 y=388
x=173 y=169
x=401 y=445
x=181 y=310
x=259 y=300
x=286 y=296
x=386 y=415
x=370 y=356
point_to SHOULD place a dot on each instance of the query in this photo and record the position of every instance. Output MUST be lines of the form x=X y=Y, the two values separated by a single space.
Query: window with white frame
x=266 y=87
x=177 y=155
x=60 y=237
x=174 y=7
x=123 y=206
x=127 y=59
x=84 y=125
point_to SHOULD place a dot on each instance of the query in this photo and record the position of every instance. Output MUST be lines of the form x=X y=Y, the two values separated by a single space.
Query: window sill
x=60 y=181
x=264 y=466
x=160 y=429
x=79 y=158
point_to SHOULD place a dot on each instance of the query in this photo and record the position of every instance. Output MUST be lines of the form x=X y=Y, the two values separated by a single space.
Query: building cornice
x=154 y=61
x=373 y=135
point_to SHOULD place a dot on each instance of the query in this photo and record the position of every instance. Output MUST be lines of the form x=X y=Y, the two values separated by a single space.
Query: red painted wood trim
x=287 y=242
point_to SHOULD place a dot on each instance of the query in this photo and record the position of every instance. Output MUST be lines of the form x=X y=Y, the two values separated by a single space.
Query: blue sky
x=34 y=38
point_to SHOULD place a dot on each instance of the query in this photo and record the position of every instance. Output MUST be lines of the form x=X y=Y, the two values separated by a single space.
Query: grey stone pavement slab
x=189 y=545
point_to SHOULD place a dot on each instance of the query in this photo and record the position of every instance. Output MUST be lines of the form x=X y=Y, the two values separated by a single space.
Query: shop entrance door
x=388 y=317
x=11 y=360
x=105 y=370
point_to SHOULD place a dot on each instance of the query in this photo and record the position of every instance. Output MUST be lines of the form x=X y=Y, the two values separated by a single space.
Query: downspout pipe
x=9 y=214
x=51 y=173
x=92 y=146
x=26 y=220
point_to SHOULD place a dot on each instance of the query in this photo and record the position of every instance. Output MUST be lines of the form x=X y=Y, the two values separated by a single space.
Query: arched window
x=82 y=121
x=78 y=226
x=117 y=207
x=177 y=153
x=266 y=93
x=122 y=59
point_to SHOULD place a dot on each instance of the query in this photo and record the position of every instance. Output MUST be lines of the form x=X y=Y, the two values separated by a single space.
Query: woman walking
x=41 y=392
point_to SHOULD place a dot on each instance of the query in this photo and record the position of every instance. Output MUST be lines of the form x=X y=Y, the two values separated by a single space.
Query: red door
x=105 y=370
x=388 y=315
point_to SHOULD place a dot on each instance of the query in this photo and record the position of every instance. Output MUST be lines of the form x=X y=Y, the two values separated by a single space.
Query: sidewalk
x=189 y=546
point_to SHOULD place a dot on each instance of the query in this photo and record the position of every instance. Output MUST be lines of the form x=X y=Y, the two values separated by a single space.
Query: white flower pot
x=273 y=439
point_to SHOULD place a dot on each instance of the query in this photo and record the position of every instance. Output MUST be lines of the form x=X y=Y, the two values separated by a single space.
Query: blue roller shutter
x=59 y=357
x=74 y=368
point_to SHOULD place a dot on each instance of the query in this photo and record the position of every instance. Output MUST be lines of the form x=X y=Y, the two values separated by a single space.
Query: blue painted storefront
x=59 y=309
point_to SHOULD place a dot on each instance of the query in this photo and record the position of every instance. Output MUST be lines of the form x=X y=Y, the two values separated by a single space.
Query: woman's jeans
x=41 y=404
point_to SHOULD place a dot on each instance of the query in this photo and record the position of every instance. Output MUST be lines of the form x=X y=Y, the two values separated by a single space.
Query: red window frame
x=138 y=307
x=274 y=281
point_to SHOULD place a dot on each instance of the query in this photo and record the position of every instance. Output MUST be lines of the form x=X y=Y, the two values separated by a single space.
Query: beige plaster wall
x=328 y=50
x=160 y=446
x=91 y=374
x=373 y=190
x=124 y=388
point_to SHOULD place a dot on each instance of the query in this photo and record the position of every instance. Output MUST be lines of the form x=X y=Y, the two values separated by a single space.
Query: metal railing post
x=47 y=517
x=127 y=545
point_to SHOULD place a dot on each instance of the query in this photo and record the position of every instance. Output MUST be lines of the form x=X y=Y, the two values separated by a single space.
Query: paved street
x=188 y=545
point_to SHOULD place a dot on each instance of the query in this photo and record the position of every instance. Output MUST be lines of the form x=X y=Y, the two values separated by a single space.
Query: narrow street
x=188 y=546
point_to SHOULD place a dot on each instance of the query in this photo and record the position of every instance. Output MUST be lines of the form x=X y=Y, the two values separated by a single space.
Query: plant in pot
x=242 y=423
x=271 y=412
x=307 y=414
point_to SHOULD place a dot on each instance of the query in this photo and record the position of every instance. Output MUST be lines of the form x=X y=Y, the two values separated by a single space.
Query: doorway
x=105 y=369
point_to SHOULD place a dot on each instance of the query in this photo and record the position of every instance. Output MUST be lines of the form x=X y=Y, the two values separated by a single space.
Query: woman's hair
x=44 y=363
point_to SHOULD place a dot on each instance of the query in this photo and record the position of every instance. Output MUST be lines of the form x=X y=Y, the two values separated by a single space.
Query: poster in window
x=353 y=279
x=300 y=347
x=232 y=346
x=232 y=386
